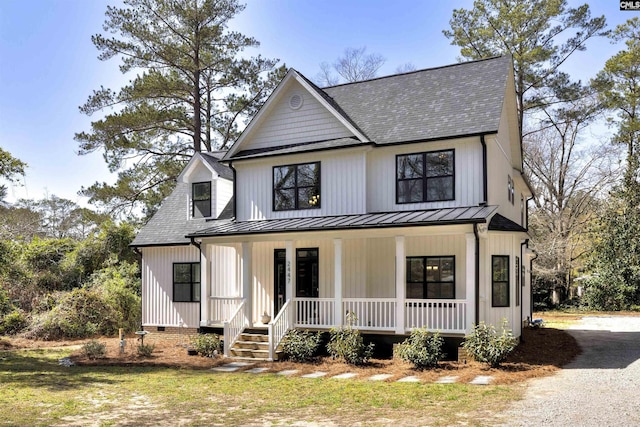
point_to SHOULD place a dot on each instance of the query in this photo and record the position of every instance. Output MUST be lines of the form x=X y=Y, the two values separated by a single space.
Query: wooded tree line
x=194 y=87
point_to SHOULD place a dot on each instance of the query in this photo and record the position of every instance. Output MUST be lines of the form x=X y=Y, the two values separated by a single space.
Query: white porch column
x=290 y=279
x=470 y=285
x=400 y=284
x=205 y=287
x=337 y=281
x=247 y=279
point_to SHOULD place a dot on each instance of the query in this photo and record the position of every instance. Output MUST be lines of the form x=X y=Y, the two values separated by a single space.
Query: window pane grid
x=500 y=281
x=186 y=282
x=430 y=277
x=296 y=187
x=425 y=177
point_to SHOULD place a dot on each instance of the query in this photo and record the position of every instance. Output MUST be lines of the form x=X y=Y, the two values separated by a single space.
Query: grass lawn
x=36 y=390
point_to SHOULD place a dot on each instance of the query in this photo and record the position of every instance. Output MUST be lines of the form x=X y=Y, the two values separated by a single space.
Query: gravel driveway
x=600 y=388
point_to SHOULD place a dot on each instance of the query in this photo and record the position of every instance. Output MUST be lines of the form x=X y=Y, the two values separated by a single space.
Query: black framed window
x=425 y=177
x=431 y=277
x=201 y=197
x=296 y=187
x=510 y=189
x=500 y=281
x=518 y=293
x=186 y=282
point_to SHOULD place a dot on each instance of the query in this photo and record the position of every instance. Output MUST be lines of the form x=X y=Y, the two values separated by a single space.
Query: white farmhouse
x=400 y=200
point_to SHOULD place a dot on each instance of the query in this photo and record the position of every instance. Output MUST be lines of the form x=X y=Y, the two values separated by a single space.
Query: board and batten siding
x=284 y=125
x=224 y=193
x=342 y=185
x=499 y=243
x=225 y=270
x=381 y=175
x=445 y=245
x=158 y=308
x=263 y=272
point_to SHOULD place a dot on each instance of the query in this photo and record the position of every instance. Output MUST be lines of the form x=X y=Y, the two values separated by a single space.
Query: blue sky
x=48 y=65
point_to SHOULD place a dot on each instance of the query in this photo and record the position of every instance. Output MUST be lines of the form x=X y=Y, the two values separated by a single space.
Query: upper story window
x=510 y=189
x=425 y=177
x=296 y=187
x=201 y=199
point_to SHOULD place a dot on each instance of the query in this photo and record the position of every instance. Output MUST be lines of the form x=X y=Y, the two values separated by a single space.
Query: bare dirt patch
x=542 y=352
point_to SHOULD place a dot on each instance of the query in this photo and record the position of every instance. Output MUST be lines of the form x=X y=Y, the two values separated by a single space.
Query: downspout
x=477 y=278
x=197 y=245
x=535 y=255
x=484 y=171
x=235 y=200
x=524 y=244
x=139 y=253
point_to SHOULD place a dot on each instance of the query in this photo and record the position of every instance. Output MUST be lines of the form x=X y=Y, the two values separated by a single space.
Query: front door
x=280 y=280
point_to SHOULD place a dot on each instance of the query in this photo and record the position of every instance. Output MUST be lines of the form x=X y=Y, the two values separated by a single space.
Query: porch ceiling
x=447 y=216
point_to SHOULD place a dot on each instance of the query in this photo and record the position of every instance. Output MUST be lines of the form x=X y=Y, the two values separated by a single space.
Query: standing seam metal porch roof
x=445 y=216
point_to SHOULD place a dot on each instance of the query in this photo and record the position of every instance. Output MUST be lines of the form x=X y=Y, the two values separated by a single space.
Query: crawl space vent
x=295 y=101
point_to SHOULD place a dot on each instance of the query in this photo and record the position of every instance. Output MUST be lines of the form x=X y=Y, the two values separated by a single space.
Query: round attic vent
x=295 y=101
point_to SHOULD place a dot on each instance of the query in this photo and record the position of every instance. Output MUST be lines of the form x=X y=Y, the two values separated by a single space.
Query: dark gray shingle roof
x=212 y=159
x=501 y=223
x=464 y=215
x=454 y=100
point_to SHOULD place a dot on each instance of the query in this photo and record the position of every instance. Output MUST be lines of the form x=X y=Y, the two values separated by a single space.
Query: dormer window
x=425 y=177
x=201 y=199
x=296 y=187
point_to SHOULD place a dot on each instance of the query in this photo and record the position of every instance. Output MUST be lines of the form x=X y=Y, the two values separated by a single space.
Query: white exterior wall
x=158 y=308
x=455 y=245
x=263 y=272
x=342 y=185
x=224 y=270
x=381 y=175
x=499 y=243
x=224 y=192
x=284 y=125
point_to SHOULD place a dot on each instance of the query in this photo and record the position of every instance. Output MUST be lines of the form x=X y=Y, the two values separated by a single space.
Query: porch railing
x=444 y=315
x=314 y=312
x=222 y=308
x=376 y=314
x=278 y=328
x=234 y=327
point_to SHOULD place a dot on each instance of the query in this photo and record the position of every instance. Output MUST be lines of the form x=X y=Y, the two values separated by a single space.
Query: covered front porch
x=322 y=280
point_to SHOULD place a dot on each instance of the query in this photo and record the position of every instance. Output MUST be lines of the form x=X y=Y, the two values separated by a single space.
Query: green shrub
x=422 y=348
x=94 y=350
x=13 y=323
x=207 y=345
x=487 y=346
x=80 y=313
x=145 y=350
x=301 y=346
x=347 y=344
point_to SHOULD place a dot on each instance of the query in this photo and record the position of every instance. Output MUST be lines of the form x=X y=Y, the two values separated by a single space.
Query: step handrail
x=234 y=327
x=278 y=328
